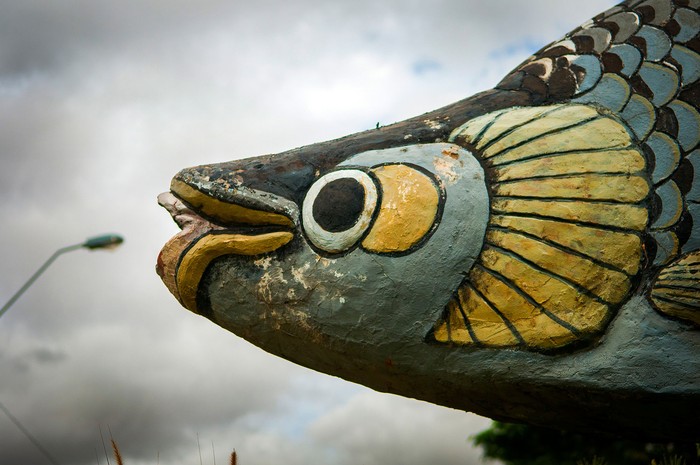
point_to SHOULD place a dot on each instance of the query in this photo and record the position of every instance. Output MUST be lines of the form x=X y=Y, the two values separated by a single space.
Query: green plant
x=594 y=461
x=516 y=444
x=672 y=460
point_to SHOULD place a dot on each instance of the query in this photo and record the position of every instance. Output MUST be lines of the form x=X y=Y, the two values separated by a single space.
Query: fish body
x=531 y=253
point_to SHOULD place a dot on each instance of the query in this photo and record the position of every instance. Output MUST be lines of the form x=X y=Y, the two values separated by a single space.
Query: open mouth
x=249 y=224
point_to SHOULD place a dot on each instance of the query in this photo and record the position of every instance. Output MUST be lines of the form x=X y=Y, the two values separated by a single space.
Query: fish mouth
x=217 y=220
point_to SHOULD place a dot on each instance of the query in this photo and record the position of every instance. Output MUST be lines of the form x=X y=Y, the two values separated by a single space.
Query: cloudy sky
x=101 y=103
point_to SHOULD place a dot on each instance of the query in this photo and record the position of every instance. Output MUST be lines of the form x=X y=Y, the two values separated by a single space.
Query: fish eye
x=338 y=209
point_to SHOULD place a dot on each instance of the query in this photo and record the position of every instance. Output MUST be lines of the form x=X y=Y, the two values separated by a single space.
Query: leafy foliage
x=516 y=444
x=594 y=461
x=675 y=460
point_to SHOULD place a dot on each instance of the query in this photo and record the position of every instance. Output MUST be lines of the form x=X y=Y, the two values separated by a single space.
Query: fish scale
x=658 y=40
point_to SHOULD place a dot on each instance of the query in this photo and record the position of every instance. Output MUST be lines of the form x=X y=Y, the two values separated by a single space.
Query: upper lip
x=181 y=213
x=233 y=207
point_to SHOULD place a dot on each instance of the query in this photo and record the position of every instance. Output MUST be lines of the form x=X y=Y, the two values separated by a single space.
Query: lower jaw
x=196 y=258
x=184 y=259
x=170 y=256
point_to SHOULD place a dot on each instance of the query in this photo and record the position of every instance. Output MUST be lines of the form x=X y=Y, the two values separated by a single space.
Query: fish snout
x=222 y=196
x=218 y=216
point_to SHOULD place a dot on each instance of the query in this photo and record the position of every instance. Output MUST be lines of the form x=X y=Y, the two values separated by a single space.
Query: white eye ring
x=339 y=241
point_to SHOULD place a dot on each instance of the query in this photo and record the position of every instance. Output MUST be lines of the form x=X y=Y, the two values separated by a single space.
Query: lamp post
x=106 y=241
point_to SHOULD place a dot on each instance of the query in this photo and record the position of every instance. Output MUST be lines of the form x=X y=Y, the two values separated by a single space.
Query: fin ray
x=676 y=291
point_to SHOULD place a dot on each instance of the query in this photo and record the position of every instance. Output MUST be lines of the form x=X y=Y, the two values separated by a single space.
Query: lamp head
x=106 y=241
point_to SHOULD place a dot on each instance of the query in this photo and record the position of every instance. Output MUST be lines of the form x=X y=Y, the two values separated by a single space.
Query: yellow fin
x=569 y=198
x=453 y=328
x=488 y=326
x=517 y=119
x=599 y=133
x=614 y=188
x=676 y=291
x=471 y=320
x=627 y=161
x=471 y=131
x=523 y=317
x=608 y=284
x=623 y=216
x=620 y=250
x=572 y=308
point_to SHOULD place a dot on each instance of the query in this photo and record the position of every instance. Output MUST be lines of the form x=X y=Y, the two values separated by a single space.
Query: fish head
x=320 y=257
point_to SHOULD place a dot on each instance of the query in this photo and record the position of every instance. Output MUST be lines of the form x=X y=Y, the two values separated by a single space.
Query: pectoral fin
x=676 y=291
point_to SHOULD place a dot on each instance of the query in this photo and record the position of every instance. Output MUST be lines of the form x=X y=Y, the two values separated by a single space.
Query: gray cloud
x=100 y=104
x=423 y=427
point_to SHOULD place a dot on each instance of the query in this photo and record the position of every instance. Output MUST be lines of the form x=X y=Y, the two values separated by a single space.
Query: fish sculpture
x=530 y=253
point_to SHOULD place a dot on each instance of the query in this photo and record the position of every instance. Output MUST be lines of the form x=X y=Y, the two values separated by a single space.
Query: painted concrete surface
x=529 y=253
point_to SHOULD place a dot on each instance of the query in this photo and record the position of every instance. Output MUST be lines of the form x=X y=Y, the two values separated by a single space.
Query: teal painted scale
x=640 y=61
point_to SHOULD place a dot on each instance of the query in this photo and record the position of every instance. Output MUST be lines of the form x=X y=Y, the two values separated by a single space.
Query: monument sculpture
x=531 y=253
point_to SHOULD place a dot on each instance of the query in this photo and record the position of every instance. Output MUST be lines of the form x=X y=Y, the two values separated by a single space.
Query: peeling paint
x=299 y=275
x=263 y=291
x=434 y=125
x=263 y=262
x=446 y=170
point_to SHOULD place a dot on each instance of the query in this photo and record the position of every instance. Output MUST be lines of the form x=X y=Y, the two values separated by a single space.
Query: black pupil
x=339 y=204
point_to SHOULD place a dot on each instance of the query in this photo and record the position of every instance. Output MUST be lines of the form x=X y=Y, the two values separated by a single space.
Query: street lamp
x=106 y=241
